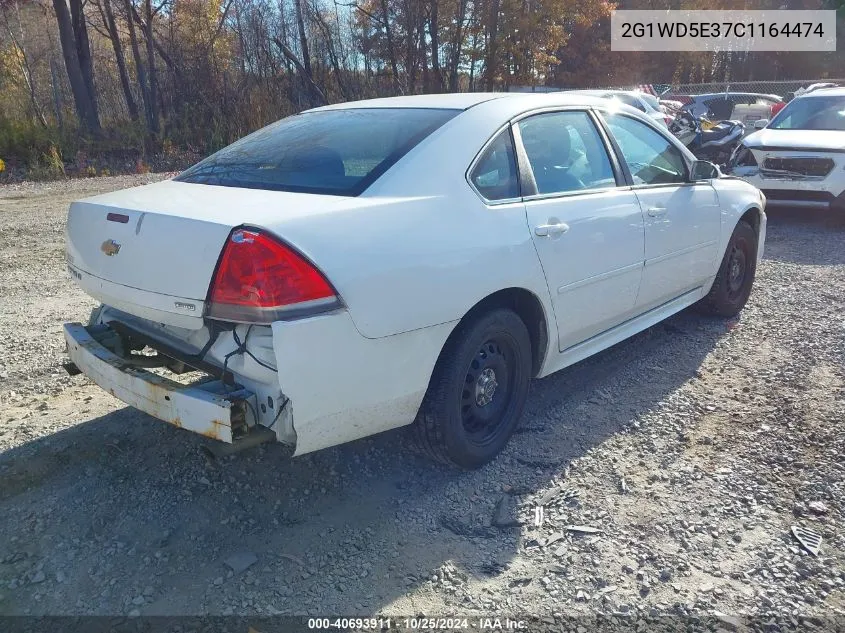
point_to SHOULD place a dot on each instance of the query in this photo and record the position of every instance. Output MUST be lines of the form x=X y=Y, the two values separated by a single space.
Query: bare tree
x=23 y=60
x=456 y=44
x=76 y=50
x=303 y=39
x=140 y=70
x=107 y=14
x=492 y=44
x=200 y=74
x=391 y=51
x=149 y=36
x=318 y=96
x=333 y=59
x=434 y=38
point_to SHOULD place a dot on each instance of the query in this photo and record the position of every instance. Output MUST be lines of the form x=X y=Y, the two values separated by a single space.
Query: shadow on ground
x=122 y=505
x=122 y=502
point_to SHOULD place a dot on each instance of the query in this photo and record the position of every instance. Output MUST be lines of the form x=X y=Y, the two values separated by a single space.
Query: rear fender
x=343 y=386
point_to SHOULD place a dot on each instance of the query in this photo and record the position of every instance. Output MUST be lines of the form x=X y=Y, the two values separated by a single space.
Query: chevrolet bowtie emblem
x=110 y=247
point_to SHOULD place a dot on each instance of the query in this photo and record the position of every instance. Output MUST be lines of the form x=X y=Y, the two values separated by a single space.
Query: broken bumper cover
x=810 y=192
x=206 y=408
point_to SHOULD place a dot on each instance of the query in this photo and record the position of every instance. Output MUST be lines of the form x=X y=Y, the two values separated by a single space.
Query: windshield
x=338 y=152
x=812 y=113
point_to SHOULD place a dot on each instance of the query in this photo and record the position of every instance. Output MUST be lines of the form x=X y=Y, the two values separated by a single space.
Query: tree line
x=153 y=77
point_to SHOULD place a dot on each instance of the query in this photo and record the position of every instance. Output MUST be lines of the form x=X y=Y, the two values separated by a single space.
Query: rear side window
x=338 y=152
x=495 y=176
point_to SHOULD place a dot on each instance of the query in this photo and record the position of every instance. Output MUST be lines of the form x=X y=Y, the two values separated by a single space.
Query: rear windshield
x=812 y=113
x=338 y=152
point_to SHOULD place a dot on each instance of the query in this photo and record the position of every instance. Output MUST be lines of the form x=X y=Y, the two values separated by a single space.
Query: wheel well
x=752 y=216
x=528 y=307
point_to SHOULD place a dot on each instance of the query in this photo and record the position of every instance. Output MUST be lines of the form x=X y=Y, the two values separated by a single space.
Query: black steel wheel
x=478 y=390
x=735 y=278
x=488 y=390
x=737 y=269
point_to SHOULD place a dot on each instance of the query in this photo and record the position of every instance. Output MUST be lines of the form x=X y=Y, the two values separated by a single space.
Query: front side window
x=494 y=175
x=565 y=152
x=339 y=152
x=651 y=158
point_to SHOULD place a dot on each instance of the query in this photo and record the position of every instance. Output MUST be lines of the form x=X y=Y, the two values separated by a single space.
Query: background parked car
x=746 y=107
x=789 y=96
x=642 y=101
x=798 y=160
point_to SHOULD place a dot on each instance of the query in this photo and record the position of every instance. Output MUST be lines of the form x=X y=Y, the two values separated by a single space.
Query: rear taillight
x=260 y=280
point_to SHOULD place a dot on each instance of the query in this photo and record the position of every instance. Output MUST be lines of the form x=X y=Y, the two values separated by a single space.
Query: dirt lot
x=693 y=447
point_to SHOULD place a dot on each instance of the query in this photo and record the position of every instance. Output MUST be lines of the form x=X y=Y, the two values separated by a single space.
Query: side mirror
x=759 y=124
x=703 y=170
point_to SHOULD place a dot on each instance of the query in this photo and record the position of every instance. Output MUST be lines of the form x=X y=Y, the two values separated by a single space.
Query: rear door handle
x=656 y=211
x=546 y=230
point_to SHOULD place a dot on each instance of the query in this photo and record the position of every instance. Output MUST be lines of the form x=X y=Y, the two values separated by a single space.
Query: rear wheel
x=732 y=286
x=477 y=392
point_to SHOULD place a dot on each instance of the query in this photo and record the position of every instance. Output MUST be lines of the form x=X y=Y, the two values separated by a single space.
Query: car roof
x=601 y=93
x=839 y=91
x=711 y=95
x=466 y=100
x=450 y=101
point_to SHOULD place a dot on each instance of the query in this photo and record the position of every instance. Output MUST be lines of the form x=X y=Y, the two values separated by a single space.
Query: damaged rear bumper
x=209 y=408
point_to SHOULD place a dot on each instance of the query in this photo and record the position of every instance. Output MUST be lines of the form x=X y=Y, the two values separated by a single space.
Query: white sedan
x=414 y=260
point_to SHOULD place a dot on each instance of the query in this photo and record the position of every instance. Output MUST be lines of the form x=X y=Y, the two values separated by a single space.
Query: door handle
x=546 y=230
x=656 y=211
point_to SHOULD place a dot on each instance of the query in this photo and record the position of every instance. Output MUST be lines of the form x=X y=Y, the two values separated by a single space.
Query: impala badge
x=110 y=247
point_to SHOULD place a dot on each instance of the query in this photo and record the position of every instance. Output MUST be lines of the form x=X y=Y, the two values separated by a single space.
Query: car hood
x=805 y=140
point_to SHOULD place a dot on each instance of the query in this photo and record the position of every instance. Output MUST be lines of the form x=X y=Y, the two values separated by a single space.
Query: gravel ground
x=688 y=451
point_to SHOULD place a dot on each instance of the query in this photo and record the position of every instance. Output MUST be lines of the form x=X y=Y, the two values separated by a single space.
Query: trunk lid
x=152 y=250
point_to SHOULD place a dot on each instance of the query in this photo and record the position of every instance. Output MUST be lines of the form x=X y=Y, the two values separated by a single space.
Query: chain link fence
x=783 y=88
x=780 y=88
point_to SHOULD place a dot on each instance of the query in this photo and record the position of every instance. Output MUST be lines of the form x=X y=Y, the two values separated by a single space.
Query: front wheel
x=477 y=392
x=732 y=286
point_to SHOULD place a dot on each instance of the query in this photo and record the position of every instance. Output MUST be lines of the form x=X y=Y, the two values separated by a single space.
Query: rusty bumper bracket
x=209 y=408
x=257 y=435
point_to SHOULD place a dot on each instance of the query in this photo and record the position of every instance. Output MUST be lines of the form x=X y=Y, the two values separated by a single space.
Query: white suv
x=798 y=159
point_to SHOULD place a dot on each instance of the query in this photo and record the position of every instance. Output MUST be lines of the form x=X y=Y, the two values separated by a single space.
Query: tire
x=477 y=391
x=732 y=286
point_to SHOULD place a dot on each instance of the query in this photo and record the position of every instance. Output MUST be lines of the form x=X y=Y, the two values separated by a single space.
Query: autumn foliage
x=161 y=82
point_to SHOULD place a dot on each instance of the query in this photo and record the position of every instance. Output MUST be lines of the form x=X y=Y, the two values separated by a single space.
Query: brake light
x=260 y=280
